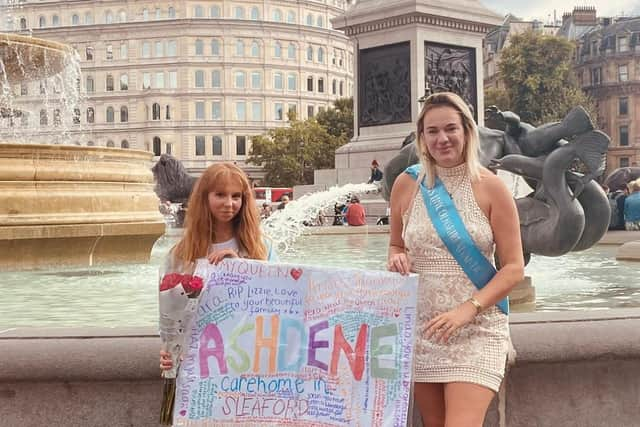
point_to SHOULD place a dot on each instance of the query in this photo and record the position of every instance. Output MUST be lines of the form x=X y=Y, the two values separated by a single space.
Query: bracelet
x=476 y=304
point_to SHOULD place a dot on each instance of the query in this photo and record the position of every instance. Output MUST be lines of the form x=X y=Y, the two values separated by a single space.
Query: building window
x=75 y=20
x=216 y=80
x=159 y=49
x=124 y=144
x=160 y=80
x=44 y=118
x=624 y=162
x=292 y=108
x=110 y=144
x=255 y=13
x=57 y=117
x=216 y=146
x=122 y=16
x=596 y=76
x=55 y=21
x=172 y=13
x=623 y=106
x=110 y=115
x=199 y=78
x=255 y=49
x=76 y=116
x=91 y=115
x=199 y=47
x=291 y=17
x=623 y=44
x=172 y=48
x=145 y=14
x=124 y=82
x=320 y=85
x=623 y=73
x=309 y=53
x=278 y=113
x=89 y=84
x=319 y=21
x=124 y=114
x=624 y=136
x=310 y=111
x=277 y=15
x=88 y=52
x=173 y=79
x=216 y=110
x=146 y=50
x=239 y=48
x=42 y=22
x=200 y=110
x=199 y=145
x=155 y=111
x=124 y=50
x=158 y=13
x=88 y=18
x=146 y=80
x=292 y=83
x=256 y=111
x=241 y=145
x=109 y=54
x=334 y=87
x=238 y=12
x=321 y=55
x=108 y=17
x=214 y=11
x=240 y=79
x=167 y=115
x=341 y=88
x=198 y=11
x=277 y=81
x=215 y=47
x=309 y=20
x=157 y=146
x=277 y=50
x=291 y=51
x=241 y=113
x=309 y=84
x=109 y=85
x=256 y=80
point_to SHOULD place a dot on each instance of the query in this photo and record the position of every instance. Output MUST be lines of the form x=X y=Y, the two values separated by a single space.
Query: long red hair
x=199 y=231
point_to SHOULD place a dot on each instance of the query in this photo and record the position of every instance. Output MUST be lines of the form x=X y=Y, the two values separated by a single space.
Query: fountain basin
x=71 y=205
x=27 y=58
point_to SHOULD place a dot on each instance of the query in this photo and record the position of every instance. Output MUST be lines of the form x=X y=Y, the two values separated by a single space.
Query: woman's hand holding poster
x=280 y=344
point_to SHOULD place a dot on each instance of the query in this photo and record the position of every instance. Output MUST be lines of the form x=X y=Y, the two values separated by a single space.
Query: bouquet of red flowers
x=179 y=292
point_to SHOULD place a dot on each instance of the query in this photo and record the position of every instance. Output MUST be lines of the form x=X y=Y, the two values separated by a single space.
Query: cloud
x=542 y=9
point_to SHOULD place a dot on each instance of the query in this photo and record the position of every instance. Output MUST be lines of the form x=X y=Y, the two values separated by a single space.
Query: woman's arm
x=505 y=224
x=401 y=192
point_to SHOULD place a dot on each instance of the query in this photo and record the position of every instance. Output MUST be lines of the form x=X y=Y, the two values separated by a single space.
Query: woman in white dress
x=462 y=338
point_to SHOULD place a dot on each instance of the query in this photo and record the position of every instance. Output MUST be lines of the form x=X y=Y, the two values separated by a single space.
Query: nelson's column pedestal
x=403 y=47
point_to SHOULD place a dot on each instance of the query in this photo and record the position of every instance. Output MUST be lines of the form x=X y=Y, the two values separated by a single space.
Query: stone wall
x=573 y=369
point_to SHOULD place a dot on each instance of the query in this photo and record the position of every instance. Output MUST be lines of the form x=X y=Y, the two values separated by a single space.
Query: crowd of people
x=625 y=207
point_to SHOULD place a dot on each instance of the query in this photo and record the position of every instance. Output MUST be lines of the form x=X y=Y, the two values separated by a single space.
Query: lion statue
x=173 y=183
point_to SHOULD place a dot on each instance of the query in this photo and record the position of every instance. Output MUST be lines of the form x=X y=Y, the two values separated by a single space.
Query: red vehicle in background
x=272 y=194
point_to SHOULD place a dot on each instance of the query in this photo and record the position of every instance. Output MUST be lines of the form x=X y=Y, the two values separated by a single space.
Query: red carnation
x=170 y=280
x=192 y=284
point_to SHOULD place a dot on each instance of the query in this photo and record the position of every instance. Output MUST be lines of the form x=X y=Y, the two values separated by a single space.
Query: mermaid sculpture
x=567 y=211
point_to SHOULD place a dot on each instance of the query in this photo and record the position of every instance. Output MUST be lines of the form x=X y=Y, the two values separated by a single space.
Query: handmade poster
x=291 y=345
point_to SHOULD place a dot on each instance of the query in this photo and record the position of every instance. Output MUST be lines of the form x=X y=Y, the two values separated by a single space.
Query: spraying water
x=284 y=226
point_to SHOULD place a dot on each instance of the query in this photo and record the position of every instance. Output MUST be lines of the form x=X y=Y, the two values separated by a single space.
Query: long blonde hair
x=472 y=141
x=199 y=222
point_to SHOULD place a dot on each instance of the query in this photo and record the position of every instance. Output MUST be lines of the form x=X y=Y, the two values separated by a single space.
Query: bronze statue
x=619 y=178
x=173 y=183
x=567 y=211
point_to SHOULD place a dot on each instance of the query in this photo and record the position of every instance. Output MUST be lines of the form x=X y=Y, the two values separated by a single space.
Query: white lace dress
x=477 y=352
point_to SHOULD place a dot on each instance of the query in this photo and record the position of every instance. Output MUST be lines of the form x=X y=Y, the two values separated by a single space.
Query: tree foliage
x=289 y=155
x=539 y=81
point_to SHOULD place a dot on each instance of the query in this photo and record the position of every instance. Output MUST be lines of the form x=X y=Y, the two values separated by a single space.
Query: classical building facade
x=195 y=79
x=608 y=66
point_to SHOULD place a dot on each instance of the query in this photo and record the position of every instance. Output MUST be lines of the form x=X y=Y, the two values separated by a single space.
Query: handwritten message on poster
x=280 y=344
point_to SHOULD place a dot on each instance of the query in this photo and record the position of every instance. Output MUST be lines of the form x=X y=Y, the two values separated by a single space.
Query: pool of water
x=126 y=295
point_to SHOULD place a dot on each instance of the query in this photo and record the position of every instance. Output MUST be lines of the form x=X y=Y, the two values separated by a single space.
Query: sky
x=543 y=9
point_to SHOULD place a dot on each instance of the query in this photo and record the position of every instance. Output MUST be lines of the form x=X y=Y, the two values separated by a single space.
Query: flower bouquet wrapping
x=178 y=301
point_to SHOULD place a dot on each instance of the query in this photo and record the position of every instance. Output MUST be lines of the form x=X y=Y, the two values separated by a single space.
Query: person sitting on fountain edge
x=462 y=328
x=355 y=213
x=632 y=207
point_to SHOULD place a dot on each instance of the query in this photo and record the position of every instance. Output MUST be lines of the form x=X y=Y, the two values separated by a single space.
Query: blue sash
x=451 y=230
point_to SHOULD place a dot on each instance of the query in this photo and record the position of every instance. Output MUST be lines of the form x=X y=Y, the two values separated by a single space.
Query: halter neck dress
x=477 y=352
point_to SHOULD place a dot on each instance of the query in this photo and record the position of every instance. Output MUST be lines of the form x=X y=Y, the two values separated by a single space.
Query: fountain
x=64 y=204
